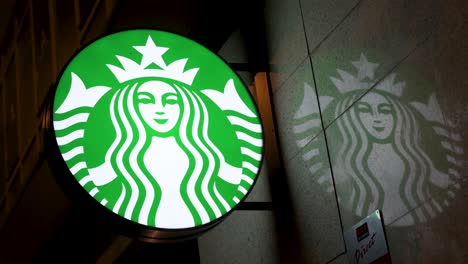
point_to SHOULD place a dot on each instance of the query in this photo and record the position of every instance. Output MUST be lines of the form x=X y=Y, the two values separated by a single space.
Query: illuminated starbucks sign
x=158 y=130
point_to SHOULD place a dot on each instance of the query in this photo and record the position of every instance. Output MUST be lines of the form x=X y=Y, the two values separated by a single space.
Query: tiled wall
x=369 y=100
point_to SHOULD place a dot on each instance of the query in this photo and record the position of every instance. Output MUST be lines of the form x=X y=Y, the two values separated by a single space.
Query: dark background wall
x=289 y=53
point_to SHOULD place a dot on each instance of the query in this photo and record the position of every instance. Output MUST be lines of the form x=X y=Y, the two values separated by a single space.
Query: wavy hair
x=140 y=195
x=366 y=192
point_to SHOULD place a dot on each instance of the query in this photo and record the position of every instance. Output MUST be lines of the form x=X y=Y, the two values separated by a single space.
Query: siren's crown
x=365 y=79
x=152 y=54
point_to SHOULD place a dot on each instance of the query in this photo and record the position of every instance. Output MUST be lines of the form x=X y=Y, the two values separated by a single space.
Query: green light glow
x=157 y=129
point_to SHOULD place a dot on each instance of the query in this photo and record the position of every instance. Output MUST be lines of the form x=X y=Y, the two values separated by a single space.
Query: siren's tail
x=250 y=135
x=69 y=127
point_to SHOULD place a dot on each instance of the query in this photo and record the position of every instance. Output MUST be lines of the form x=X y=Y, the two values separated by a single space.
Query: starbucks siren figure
x=379 y=162
x=183 y=163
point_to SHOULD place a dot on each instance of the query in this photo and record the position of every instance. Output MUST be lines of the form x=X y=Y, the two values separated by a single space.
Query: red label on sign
x=362 y=232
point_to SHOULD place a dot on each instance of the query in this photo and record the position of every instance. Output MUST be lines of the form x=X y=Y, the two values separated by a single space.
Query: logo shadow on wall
x=388 y=151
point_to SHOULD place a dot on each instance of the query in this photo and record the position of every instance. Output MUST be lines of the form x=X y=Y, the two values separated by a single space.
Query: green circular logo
x=157 y=129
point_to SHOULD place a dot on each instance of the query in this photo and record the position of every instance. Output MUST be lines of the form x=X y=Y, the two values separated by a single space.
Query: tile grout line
x=323 y=128
x=418 y=45
x=336 y=257
x=419 y=205
x=310 y=51
x=398 y=64
x=281 y=85
x=318 y=45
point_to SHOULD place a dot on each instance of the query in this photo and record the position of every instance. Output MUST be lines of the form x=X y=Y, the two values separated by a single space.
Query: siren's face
x=158 y=103
x=377 y=115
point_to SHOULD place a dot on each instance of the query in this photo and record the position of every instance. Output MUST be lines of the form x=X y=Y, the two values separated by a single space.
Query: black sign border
x=78 y=194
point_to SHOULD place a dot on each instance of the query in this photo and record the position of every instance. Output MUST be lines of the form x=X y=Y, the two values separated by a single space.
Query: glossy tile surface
x=297 y=111
x=314 y=202
x=371 y=41
x=322 y=17
x=286 y=40
x=440 y=240
x=394 y=149
x=244 y=237
x=341 y=259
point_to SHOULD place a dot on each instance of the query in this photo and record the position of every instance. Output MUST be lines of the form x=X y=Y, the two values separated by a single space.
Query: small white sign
x=366 y=241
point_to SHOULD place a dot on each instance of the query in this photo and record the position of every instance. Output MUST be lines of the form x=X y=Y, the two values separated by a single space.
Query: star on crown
x=366 y=70
x=152 y=54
